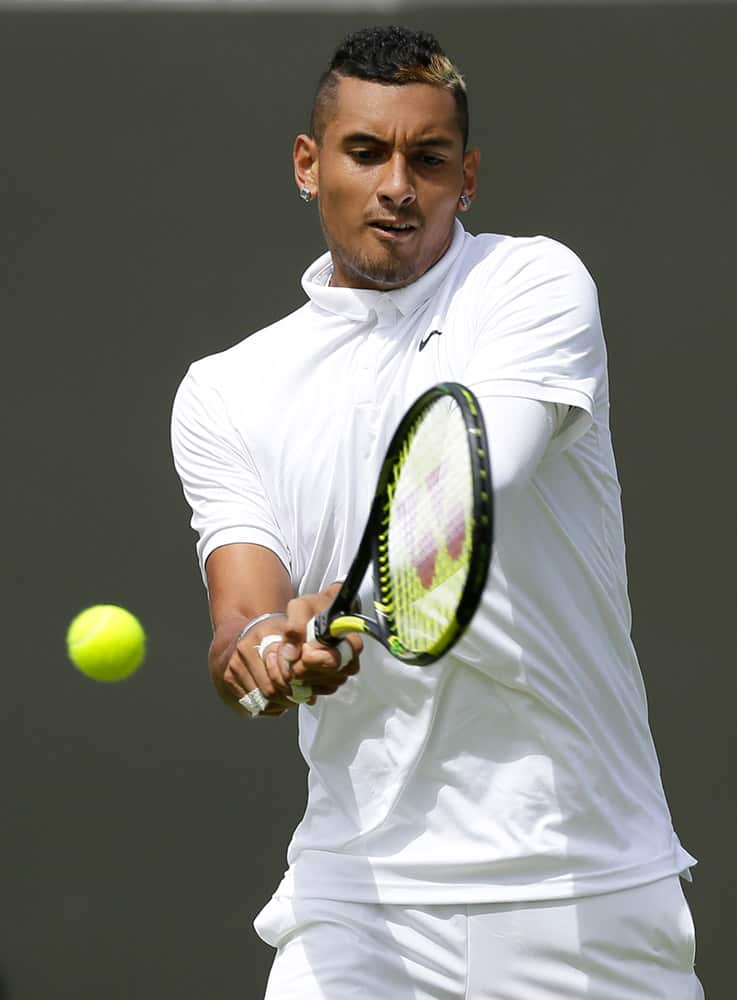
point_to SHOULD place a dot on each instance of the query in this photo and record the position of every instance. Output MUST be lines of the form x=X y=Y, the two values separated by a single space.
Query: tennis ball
x=106 y=642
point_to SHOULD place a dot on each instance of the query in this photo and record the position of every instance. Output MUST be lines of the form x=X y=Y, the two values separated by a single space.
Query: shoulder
x=214 y=384
x=495 y=258
x=257 y=352
x=525 y=281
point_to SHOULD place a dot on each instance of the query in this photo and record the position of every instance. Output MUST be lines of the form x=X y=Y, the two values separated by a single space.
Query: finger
x=234 y=686
x=355 y=642
x=317 y=665
x=288 y=655
x=237 y=677
x=320 y=669
x=268 y=652
x=301 y=609
x=299 y=612
x=279 y=666
x=247 y=670
x=342 y=656
x=325 y=677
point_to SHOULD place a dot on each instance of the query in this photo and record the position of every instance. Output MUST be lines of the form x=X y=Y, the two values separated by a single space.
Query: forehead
x=411 y=110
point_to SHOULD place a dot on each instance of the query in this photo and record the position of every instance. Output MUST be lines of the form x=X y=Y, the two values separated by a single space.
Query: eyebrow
x=431 y=142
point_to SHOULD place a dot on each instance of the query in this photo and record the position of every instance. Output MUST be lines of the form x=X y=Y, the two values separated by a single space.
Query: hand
x=311 y=663
x=236 y=667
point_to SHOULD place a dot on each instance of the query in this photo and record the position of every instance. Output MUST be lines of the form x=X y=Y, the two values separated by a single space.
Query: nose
x=396 y=187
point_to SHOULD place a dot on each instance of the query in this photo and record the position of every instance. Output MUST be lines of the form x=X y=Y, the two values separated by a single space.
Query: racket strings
x=424 y=553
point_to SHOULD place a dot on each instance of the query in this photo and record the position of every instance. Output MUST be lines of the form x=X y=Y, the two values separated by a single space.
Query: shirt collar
x=357 y=303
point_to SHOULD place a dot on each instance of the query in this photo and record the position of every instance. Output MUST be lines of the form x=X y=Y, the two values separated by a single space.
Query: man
x=491 y=826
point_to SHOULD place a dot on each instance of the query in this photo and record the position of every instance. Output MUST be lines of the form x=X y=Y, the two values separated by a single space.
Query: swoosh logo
x=423 y=343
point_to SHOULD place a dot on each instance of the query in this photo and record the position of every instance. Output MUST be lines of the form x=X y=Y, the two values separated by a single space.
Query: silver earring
x=306 y=195
x=465 y=202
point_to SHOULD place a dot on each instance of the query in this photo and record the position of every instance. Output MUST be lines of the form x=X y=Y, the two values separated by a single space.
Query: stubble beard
x=383 y=275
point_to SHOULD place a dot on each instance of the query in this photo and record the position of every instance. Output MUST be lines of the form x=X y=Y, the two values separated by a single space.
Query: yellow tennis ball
x=106 y=642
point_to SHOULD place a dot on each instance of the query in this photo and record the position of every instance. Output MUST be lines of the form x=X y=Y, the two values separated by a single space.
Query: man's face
x=388 y=174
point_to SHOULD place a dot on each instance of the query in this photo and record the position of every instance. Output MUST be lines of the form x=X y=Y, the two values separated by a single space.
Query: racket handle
x=301 y=692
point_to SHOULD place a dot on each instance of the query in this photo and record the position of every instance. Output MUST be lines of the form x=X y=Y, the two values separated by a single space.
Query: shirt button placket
x=364 y=379
x=366 y=382
x=384 y=319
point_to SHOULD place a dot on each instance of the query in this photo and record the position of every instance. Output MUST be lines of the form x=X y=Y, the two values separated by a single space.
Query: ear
x=471 y=161
x=305 y=157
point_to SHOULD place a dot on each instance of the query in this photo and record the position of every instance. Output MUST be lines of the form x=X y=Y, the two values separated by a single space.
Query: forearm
x=224 y=640
x=245 y=581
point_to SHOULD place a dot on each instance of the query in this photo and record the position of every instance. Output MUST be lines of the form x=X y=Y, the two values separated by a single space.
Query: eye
x=364 y=155
x=431 y=161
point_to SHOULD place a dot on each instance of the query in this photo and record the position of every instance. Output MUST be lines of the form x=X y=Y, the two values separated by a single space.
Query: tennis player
x=494 y=825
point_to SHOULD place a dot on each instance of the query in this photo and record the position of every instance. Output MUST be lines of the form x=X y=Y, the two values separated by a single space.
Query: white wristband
x=257 y=621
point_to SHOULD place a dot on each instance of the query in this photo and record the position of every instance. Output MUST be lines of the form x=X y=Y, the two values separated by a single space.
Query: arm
x=244 y=581
x=244 y=559
x=520 y=432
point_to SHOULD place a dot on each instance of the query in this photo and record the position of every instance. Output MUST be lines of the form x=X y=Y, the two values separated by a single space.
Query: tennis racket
x=428 y=536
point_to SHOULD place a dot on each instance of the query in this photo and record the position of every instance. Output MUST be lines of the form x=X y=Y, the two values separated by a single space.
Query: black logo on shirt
x=423 y=343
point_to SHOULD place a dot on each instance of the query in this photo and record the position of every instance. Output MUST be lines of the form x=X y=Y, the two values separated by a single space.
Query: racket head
x=431 y=525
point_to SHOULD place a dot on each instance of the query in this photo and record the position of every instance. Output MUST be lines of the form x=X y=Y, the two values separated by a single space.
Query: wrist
x=259 y=620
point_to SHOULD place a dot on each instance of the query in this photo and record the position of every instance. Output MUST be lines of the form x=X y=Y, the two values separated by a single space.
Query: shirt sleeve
x=519 y=432
x=539 y=335
x=219 y=477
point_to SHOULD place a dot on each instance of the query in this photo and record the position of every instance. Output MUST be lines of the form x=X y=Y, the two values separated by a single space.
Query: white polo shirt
x=520 y=766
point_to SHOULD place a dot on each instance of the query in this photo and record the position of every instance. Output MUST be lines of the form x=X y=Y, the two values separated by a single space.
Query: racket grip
x=301 y=692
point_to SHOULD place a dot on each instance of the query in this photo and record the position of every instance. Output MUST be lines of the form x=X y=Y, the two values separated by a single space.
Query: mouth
x=392 y=229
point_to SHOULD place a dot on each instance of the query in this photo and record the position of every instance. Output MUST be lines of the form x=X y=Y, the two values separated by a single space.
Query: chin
x=384 y=274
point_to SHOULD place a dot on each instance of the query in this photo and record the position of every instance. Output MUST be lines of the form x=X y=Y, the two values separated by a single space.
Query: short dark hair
x=391 y=55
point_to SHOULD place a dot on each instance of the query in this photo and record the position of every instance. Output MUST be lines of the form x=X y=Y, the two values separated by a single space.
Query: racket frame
x=341 y=617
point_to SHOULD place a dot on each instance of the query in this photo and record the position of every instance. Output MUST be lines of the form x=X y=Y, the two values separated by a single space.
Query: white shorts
x=637 y=944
